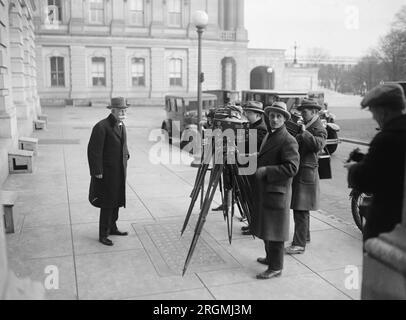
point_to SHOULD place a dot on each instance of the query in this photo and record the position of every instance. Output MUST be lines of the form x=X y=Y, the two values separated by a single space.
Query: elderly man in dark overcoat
x=277 y=164
x=305 y=187
x=382 y=171
x=107 y=156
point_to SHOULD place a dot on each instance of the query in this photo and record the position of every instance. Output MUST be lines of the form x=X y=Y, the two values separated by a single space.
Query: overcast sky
x=331 y=24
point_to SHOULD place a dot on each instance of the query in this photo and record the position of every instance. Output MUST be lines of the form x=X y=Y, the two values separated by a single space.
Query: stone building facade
x=90 y=50
x=19 y=106
x=19 y=101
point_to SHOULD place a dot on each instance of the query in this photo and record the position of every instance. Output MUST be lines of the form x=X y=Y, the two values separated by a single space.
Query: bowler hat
x=254 y=106
x=279 y=107
x=118 y=102
x=309 y=104
x=390 y=95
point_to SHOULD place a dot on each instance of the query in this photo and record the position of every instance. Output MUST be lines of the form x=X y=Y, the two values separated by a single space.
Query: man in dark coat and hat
x=277 y=164
x=382 y=171
x=305 y=187
x=107 y=156
x=254 y=112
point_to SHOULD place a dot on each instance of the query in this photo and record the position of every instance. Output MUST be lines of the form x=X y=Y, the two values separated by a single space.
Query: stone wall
x=19 y=102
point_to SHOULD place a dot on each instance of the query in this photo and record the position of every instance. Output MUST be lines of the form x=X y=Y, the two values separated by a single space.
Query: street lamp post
x=200 y=20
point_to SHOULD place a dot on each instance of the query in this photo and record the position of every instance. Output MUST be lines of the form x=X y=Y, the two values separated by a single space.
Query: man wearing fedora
x=305 y=187
x=382 y=171
x=254 y=112
x=107 y=156
x=277 y=164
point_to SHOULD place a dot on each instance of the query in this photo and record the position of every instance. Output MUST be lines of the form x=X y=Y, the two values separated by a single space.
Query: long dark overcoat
x=280 y=156
x=306 y=187
x=107 y=155
x=382 y=173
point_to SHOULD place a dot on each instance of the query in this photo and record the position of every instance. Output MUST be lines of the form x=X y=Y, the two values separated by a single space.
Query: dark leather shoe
x=106 y=241
x=269 y=274
x=247 y=233
x=219 y=208
x=118 y=233
x=294 y=250
x=245 y=228
x=263 y=261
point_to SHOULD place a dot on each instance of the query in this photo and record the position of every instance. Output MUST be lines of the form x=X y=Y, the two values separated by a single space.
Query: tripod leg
x=203 y=214
x=195 y=195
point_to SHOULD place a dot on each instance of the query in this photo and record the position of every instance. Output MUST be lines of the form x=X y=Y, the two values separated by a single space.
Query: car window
x=233 y=96
x=179 y=104
x=169 y=104
x=270 y=100
x=192 y=105
x=257 y=97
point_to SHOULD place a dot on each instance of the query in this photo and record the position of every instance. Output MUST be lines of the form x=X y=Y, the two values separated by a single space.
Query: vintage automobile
x=402 y=83
x=317 y=95
x=292 y=100
x=181 y=115
x=225 y=96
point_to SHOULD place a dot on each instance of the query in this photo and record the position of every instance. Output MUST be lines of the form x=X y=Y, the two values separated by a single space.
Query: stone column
x=79 y=84
x=30 y=56
x=76 y=21
x=118 y=72
x=221 y=14
x=33 y=65
x=212 y=29
x=384 y=265
x=17 y=60
x=241 y=32
x=158 y=78
x=157 y=22
x=118 y=20
x=8 y=121
x=230 y=15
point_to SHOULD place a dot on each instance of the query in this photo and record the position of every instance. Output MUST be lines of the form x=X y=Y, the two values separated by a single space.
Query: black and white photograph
x=220 y=152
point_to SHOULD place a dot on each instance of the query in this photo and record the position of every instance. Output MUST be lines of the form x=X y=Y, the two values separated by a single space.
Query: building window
x=174 y=13
x=54 y=12
x=57 y=72
x=99 y=72
x=175 y=72
x=138 y=72
x=137 y=12
x=97 y=11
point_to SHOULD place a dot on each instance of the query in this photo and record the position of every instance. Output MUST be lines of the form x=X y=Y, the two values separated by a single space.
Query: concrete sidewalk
x=56 y=225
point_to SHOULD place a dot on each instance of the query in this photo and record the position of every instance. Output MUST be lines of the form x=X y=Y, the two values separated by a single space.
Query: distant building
x=90 y=50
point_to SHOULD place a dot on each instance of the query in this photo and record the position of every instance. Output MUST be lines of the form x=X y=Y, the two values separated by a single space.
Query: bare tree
x=317 y=54
x=392 y=53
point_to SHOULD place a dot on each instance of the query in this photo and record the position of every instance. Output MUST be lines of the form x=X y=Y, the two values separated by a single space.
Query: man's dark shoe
x=263 y=261
x=219 y=208
x=269 y=274
x=118 y=233
x=245 y=228
x=106 y=241
x=294 y=250
x=247 y=233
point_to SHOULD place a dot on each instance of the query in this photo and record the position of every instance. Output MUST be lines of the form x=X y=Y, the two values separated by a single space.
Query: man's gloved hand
x=261 y=172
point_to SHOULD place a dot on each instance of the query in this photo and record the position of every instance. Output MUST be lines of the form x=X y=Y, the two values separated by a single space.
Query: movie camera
x=234 y=188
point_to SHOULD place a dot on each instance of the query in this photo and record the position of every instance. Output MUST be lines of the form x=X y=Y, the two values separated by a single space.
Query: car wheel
x=332 y=147
x=165 y=127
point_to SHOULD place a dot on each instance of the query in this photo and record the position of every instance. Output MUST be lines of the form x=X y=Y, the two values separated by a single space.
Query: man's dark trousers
x=274 y=253
x=107 y=222
x=302 y=234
